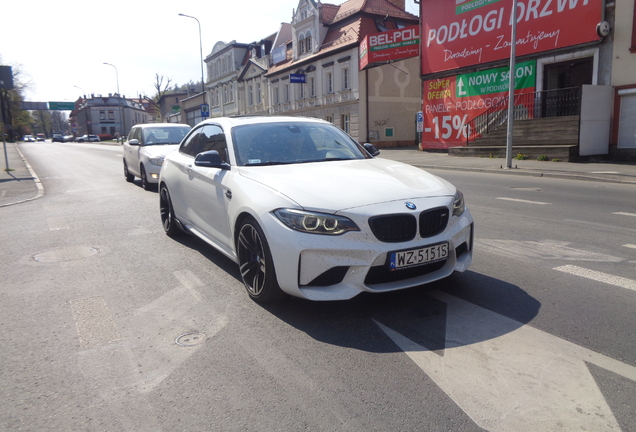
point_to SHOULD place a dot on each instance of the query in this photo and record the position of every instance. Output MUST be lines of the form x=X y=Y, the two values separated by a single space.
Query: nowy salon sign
x=463 y=33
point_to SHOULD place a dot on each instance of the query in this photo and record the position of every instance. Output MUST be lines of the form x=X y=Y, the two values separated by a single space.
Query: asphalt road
x=109 y=325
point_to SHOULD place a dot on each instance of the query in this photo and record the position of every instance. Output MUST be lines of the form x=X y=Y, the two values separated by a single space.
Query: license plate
x=416 y=257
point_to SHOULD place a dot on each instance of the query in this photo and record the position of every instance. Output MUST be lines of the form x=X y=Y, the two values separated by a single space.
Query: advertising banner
x=450 y=103
x=390 y=45
x=460 y=33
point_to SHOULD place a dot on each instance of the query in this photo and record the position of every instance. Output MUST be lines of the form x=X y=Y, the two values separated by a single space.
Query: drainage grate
x=190 y=339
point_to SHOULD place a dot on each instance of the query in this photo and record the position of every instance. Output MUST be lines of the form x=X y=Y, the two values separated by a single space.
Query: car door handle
x=189 y=167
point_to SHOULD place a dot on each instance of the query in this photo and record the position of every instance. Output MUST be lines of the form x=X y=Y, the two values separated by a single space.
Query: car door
x=207 y=191
x=131 y=152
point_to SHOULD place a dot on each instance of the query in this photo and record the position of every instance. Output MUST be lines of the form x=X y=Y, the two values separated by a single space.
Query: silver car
x=146 y=147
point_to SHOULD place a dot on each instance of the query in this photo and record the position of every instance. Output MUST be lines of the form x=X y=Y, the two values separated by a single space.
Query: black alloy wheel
x=167 y=213
x=129 y=177
x=256 y=264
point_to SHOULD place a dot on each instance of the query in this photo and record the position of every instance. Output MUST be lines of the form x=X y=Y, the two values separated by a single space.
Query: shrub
x=521 y=156
x=542 y=158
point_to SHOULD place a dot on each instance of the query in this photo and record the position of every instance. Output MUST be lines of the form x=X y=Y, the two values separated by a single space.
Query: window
x=329 y=118
x=231 y=90
x=275 y=96
x=212 y=138
x=302 y=91
x=225 y=97
x=345 y=79
x=312 y=87
x=111 y=115
x=329 y=82
x=258 y=93
x=286 y=92
x=102 y=115
x=301 y=44
x=250 y=96
x=308 y=43
x=345 y=123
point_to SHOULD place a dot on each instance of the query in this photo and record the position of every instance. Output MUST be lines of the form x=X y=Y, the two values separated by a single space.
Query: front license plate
x=416 y=257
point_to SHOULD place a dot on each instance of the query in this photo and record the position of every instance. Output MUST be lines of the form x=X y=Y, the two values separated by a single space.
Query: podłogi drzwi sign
x=450 y=103
x=389 y=45
x=464 y=33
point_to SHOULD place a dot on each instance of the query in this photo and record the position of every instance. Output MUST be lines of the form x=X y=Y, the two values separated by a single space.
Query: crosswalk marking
x=598 y=276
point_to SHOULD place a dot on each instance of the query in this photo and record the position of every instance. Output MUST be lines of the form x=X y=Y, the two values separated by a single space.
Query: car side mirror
x=373 y=151
x=133 y=142
x=211 y=159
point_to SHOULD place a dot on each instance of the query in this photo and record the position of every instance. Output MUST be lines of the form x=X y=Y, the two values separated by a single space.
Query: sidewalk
x=21 y=183
x=614 y=172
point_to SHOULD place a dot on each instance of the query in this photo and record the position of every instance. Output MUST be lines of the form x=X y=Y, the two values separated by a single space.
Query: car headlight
x=458 y=204
x=156 y=160
x=315 y=223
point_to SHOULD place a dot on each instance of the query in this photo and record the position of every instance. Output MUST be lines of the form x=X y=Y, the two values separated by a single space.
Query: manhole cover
x=190 y=339
x=71 y=253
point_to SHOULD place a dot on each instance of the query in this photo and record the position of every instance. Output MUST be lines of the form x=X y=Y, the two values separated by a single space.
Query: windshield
x=161 y=135
x=292 y=142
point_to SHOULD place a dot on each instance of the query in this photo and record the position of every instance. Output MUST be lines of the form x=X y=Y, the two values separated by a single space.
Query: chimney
x=399 y=3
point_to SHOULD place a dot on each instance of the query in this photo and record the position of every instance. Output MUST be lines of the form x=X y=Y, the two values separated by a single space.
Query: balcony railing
x=548 y=103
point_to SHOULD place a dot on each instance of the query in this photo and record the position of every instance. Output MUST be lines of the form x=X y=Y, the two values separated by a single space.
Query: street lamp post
x=123 y=118
x=200 y=51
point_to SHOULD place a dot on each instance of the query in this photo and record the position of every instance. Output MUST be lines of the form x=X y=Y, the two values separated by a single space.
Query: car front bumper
x=320 y=267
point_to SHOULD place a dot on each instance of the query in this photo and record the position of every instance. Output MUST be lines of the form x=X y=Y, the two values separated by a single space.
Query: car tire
x=256 y=264
x=144 y=180
x=129 y=177
x=167 y=213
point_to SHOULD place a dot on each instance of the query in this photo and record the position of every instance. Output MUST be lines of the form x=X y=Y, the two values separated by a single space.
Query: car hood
x=158 y=150
x=338 y=185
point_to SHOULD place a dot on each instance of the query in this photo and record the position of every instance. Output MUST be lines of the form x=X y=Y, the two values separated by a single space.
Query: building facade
x=317 y=72
x=564 y=51
x=623 y=143
x=109 y=115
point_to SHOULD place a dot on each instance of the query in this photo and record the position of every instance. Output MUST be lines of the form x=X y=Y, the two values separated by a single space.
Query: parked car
x=146 y=147
x=69 y=138
x=87 y=138
x=57 y=138
x=28 y=138
x=305 y=210
x=40 y=137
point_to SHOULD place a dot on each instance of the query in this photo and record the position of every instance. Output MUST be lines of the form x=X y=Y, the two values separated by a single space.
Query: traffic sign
x=62 y=106
x=205 y=110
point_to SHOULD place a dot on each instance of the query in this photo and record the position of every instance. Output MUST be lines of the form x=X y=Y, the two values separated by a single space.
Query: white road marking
x=544 y=249
x=604 y=172
x=511 y=377
x=624 y=214
x=523 y=201
x=56 y=224
x=631 y=246
x=598 y=276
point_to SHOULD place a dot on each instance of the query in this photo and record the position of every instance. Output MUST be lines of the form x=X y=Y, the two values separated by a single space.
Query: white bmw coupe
x=305 y=210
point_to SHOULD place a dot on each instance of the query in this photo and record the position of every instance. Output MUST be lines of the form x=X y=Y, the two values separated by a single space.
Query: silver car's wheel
x=129 y=177
x=255 y=263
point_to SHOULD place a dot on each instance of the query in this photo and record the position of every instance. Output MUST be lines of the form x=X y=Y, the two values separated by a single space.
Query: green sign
x=469 y=5
x=496 y=80
x=62 y=106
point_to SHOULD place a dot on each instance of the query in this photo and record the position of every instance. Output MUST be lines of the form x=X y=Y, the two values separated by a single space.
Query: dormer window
x=304 y=43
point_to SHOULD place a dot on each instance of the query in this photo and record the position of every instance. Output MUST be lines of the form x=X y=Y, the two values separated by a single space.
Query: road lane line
x=631 y=246
x=598 y=276
x=523 y=201
x=624 y=214
x=507 y=376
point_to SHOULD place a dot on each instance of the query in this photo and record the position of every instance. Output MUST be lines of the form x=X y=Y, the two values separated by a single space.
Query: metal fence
x=543 y=104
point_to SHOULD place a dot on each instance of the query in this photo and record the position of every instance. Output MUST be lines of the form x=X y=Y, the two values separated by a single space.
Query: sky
x=60 y=48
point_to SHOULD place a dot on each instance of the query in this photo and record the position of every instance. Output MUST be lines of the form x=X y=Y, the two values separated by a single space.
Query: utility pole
x=511 y=89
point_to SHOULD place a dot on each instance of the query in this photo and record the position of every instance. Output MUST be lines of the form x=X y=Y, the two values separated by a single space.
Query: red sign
x=390 y=45
x=463 y=33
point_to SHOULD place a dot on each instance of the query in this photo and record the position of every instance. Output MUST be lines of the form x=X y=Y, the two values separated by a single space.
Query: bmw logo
x=410 y=205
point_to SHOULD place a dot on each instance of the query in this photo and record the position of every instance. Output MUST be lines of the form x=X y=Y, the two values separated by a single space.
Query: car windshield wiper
x=267 y=163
